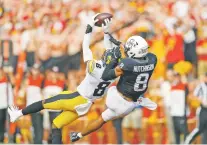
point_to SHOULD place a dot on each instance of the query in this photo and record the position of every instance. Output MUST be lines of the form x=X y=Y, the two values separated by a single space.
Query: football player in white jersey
x=77 y=103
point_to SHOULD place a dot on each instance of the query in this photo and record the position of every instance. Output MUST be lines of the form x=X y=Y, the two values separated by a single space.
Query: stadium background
x=49 y=33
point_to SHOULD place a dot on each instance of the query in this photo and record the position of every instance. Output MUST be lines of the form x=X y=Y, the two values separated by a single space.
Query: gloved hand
x=91 y=24
x=92 y=21
x=116 y=52
x=107 y=25
x=112 y=55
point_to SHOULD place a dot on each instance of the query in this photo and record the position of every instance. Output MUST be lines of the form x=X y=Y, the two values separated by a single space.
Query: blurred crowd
x=41 y=56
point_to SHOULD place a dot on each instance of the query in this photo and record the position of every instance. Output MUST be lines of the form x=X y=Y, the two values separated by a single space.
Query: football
x=101 y=17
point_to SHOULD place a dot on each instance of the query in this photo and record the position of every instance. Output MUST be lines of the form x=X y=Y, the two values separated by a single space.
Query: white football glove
x=106 y=27
x=92 y=21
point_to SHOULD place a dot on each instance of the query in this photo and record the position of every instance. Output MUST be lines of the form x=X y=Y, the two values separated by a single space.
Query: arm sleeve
x=109 y=72
x=87 y=53
x=107 y=43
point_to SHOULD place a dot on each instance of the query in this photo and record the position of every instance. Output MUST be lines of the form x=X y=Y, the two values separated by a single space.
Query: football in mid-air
x=101 y=17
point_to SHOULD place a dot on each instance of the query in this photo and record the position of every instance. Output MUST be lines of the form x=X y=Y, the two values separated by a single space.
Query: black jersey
x=134 y=81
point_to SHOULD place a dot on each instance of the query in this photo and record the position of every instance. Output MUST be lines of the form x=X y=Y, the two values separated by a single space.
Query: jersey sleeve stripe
x=91 y=66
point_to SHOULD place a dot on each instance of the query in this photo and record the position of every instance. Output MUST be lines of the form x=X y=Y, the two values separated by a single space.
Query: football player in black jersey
x=134 y=71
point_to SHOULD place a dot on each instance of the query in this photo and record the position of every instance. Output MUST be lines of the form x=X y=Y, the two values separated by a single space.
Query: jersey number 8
x=99 y=91
x=141 y=82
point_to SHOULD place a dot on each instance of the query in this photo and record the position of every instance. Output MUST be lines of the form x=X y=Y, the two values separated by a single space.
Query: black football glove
x=113 y=55
x=116 y=52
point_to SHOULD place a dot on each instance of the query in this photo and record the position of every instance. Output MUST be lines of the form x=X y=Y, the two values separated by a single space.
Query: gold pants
x=67 y=102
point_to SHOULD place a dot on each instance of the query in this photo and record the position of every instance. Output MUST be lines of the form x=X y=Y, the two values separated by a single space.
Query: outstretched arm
x=112 y=69
x=107 y=43
x=87 y=53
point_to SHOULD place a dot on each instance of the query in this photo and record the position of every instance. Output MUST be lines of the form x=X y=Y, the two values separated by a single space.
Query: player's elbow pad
x=109 y=75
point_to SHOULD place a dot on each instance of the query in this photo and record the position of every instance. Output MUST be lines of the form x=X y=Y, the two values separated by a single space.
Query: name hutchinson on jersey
x=143 y=68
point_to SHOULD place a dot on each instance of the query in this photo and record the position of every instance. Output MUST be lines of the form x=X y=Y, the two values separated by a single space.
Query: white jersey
x=93 y=87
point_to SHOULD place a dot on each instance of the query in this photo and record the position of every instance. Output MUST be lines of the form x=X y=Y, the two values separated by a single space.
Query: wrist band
x=88 y=29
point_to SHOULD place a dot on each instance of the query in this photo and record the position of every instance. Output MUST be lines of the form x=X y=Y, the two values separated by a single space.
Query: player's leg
x=95 y=125
x=65 y=118
x=62 y=101
x=54 y=102
x=15 y=113
x=117 y=107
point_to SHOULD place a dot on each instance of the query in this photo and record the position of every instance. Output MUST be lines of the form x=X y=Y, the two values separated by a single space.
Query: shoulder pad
x=126 y=64
x=152 y=57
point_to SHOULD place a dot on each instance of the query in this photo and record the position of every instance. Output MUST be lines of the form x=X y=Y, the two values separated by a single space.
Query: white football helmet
x=136 y=47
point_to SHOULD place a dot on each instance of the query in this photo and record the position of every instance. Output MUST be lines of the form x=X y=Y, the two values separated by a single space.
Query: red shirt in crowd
x=202 y=43
x=3 y=79
x=59 y=83
x=175 y=43
x=35 y=81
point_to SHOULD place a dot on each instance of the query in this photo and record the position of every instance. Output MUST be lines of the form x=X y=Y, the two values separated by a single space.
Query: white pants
x=117 y=106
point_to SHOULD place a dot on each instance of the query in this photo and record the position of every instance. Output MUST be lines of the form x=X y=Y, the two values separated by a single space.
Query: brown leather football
x=101 y=17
